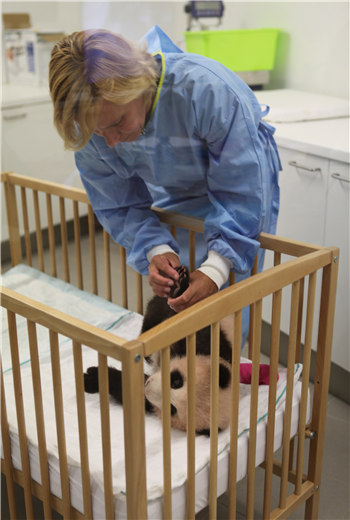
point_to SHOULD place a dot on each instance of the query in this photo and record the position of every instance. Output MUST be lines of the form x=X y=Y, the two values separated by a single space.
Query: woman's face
x=121 y=123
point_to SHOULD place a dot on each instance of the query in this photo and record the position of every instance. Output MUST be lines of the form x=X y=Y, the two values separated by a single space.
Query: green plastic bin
x=239 y=50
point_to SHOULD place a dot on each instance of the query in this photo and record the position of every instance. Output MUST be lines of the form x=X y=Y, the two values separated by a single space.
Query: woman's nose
x=110 y=135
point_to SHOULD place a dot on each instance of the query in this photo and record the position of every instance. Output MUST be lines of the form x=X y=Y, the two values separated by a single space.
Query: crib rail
x=295 y=276
x=215 y=307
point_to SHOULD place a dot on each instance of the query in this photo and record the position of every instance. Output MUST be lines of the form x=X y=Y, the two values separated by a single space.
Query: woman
x=174 y=130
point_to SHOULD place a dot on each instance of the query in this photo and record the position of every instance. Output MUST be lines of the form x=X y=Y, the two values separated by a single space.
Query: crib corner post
x=134 y=430
x=322 y=376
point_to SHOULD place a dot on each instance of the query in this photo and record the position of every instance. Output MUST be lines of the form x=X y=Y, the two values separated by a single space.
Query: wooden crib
x=303 y=274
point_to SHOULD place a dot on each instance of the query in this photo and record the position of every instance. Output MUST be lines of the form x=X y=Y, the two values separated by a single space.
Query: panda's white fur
x=178 y=396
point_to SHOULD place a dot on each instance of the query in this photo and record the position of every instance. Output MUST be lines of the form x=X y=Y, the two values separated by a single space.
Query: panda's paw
x=91 y=380
x=181 y=284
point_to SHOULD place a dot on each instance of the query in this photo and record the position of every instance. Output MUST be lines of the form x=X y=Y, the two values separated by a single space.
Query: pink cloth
x=246 y=374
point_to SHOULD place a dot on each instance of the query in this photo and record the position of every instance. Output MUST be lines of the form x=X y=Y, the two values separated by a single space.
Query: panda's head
x=178 y=393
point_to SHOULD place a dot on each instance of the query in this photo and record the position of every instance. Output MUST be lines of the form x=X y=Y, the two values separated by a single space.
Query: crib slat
x=83 y=443
x=274 y=355
x=91 y=220
x=39 y=239
x=192 y=250
x=5 y=435
x=61 y=435
x=17 y=383
x=51 y=235
x=106 y=435
x=107 y=257
x=39 y=415
x=64 y=243
x=251 y=313
x=297 y=359
x=255 y=266
x=26 y=226
x=256 y=339
x=77 y=244
x=12 y=219
x=289 y=392
x=236 y=351
x=165 y=368
x=191 y=424
x=276 y=258
x=305 y=381
x=232 y=278
x=173 y=231
x=300 y=321
x=139 y=290
x=124 y=284
x=214 y=402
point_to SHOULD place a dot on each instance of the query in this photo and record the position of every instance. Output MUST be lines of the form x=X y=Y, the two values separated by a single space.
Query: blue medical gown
x=206 y=153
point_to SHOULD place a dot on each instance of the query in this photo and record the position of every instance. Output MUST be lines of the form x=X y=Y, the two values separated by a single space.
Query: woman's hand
x=200 y=287
x=162 y=273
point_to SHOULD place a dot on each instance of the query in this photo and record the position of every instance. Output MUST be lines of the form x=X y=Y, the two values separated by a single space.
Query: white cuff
x=159 y=250
x=217 y=268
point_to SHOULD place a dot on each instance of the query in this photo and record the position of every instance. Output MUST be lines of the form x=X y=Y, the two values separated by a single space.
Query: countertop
x=310 y=123
x=327 y=138
x=19 y=95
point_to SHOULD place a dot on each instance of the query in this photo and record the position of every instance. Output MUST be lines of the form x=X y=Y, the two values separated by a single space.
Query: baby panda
x=157 y=311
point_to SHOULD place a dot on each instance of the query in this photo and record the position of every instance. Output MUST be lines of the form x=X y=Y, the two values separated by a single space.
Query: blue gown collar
x=158 y=41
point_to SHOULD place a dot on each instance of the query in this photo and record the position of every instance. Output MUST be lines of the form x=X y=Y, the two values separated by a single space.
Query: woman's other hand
x=162 y=273
x=200 y=287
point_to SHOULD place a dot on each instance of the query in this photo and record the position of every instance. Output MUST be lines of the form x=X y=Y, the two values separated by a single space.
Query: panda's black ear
x=224 y=376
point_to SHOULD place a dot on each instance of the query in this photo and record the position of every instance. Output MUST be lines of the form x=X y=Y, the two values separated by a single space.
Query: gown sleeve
x=122 y=206
x=239 y=178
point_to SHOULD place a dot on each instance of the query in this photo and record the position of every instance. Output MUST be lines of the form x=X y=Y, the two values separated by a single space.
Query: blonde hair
x=89 y=66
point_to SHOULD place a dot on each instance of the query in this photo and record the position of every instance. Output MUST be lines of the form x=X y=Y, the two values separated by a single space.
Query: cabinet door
x=337 y=234
x=303 y=192
x=303 y=188
x=31 y=146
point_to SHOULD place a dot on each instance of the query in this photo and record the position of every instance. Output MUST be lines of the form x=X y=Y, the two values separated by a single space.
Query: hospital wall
x=313 y=49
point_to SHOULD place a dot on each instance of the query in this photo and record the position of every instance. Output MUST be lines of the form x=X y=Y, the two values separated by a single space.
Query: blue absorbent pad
x=66 y=298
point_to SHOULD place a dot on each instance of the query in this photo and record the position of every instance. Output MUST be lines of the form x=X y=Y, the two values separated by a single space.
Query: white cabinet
x=31 y=146
x=314 y=208
x=337 y=233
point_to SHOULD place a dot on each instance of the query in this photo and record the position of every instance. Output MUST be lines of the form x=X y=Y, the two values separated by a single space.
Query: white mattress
x=123 y=323
x=291 y=106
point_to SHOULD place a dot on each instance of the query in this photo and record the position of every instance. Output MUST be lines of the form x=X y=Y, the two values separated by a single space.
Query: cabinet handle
x=17 y=116
x=296 y=165
x=339 y=177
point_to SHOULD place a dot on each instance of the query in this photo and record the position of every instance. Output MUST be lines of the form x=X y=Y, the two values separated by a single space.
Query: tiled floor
x=335 y=488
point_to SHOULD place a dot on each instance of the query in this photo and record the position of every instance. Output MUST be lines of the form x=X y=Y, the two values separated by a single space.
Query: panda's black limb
x=181 y=284
x=158 y=309
x=206 y=432
x=114 y=384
